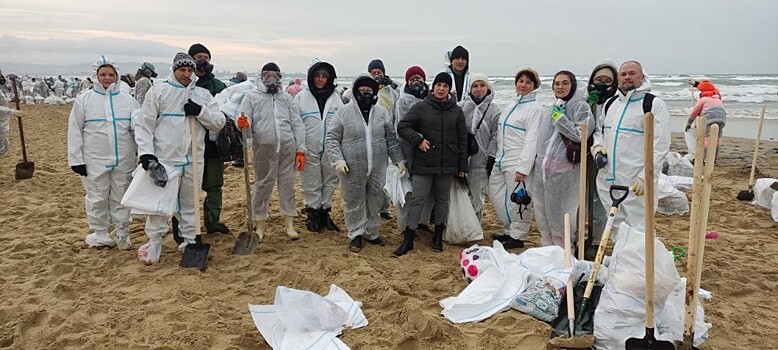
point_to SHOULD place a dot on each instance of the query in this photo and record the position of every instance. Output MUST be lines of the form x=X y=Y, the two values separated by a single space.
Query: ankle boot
x=313 y=223
x=407 y=244
x=290 y=228
x=437 y=238
x=326 y=220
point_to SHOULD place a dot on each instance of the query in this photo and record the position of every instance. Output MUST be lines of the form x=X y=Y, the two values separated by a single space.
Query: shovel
x=697 y=243
x=24 y=169
x=603 y=244
x=747 y=195
x=196 y=254
x=649 y=342
x=247 y=241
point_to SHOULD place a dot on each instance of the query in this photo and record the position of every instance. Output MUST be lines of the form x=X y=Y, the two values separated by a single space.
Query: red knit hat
x=414 y=70
x=707 y=89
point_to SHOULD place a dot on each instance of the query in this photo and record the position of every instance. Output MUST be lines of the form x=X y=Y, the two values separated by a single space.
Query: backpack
x=230 y=142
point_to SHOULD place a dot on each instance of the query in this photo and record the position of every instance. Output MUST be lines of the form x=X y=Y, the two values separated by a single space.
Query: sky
x=502 y=36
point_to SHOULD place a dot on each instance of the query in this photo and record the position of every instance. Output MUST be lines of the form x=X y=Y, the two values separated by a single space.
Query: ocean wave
x=754 y=78
x=669 y=83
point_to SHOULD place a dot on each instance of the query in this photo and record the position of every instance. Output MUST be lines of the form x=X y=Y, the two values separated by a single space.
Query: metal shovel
x=247 y=241
x=748 y=195
x=25 y=169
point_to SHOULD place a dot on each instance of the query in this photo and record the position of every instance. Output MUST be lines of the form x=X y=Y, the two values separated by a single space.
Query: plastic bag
x=763 y=192
x=774 y=210
x=678 y=165
x=670 y=320
x=143 y=197
x=671 y=200
x=463 y=225
x=541 y=300
x=682 y=183
x=396 y=186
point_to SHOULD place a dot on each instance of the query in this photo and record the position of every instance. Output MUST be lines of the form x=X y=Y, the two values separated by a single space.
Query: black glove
x=191 y=108
x=145 y=159
x=79 y=169
x=600 y=160
x=489 y=165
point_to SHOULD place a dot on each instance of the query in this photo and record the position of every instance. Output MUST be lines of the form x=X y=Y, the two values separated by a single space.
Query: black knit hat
x=271 y=67
x=376 y=64
x=198 y=48
x=365 y=80
x=442 y=77
x=460 y=51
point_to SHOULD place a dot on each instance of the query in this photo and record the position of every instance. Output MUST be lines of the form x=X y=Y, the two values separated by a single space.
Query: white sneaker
x=99 y=239
x=123 y=242
x=150 y=253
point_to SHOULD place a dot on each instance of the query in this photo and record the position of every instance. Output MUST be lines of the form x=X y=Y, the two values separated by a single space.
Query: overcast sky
x=667 y=36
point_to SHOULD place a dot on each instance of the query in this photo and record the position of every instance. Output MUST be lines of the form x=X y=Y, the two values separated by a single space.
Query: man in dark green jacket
x=213 y=173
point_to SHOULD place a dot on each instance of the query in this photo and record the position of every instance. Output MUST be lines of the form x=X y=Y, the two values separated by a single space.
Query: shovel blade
x=196 y=256
x=648 y=342
x=24 y=170
x=246 y=244
x=746 y=195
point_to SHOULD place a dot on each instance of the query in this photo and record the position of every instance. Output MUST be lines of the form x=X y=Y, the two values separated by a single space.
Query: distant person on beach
x=143 y=80
x=5 y=118
x=602 y=86
x=296 y=87
x=162 y=132
x=360 y=142
x=317 y=106
x=237 y=79
x=387 y=98
x=620 y=138
x=517 y=139
x=102 y=151
x=710 y=106
x=278 y=136
x=459 y=69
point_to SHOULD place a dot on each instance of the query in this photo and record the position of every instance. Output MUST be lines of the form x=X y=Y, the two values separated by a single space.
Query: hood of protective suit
x=101 y=61
x=330 y=86
x=172 y=79
x=580 y=94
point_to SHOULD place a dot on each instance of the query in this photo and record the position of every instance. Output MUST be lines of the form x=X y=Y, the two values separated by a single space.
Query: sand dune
x=57 y=294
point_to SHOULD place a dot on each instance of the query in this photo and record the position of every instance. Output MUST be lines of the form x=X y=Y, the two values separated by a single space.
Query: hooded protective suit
x=100 y=137
x=621 y=134
x=162 y=129
x=486 y=114
x=517 y=138
x=5 y=123
x=319 y=179
x=277 y=133
x=365 y=147
x=555 y=182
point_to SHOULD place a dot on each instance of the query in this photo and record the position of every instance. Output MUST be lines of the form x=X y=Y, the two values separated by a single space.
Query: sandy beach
x=58 y=294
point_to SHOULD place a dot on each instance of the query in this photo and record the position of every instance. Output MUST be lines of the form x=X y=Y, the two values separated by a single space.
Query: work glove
x=18 y=113
x=688 y=126
x=191 y=108
x=401 y=168
x=557 y=112
x=242 y=122
x=489 y=165
x=600 y=156
x=594 y=97
x=341 y=167
x=144 y=160
x=79 y=169
x=639 y=187
x=299 y=160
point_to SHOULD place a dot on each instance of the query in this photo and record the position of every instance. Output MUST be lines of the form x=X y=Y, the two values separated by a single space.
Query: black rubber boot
x=437 y=238
x=407 y=244
x=313 y=223
x=326 y=220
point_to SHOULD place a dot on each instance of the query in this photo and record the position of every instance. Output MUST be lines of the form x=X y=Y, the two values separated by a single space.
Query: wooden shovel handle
x=568 y=264
x=756 y=149
x=649 y=193
x=694 y=230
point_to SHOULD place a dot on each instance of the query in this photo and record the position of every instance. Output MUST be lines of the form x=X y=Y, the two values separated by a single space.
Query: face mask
x=2 y=80
x=606 y=91
x=365 y=100
x=203 y=66
x=418 y=88
x=272 y=84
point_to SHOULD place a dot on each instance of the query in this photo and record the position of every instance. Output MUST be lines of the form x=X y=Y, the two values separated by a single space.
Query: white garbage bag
x=682 y=183
x=146 y=198
x=690 y=137
x=671 y=200
x=670 y=320
x=463 y=225
x=621 y=310
x=396 y=186
x=774 y=209
x=678 y=165
x=763 y=192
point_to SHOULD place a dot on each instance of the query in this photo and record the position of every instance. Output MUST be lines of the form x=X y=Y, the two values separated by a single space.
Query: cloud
x=18 y=49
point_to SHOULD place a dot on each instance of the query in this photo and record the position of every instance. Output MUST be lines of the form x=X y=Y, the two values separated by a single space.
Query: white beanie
x=480 y=77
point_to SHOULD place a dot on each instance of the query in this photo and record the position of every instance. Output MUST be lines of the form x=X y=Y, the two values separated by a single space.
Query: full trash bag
x=676 y=165
x=774 y=210
x=671 y=200
x=463 y=225
x=763 y=192
x=143 y=197
x=396 y=186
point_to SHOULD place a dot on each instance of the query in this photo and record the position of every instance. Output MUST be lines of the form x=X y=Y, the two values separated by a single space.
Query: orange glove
x=242 y=121
x=299 y=160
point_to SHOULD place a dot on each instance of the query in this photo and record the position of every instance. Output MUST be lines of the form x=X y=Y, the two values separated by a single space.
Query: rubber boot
x=407 y=244
x=326 y=220
x=260 y=228
x=437 y=238
x=313 y=222
x=290 y=228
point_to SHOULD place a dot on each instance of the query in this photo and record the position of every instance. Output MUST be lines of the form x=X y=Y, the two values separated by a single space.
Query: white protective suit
x=620 y=132
x=100 y=137
x=404 y=104
x=487 y=114
x=59 y=88
x=517 y=138
x=278 y=133
x=5 y=124
x=162 y=130
x=555 y=182
x=366 y=148
x=319 y=179
x=28 y=87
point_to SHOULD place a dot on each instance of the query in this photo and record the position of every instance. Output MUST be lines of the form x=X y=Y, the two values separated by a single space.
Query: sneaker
x=97 y=240
x=377 y=241
x=356 y=244
x=150 y=253
x=511 y=243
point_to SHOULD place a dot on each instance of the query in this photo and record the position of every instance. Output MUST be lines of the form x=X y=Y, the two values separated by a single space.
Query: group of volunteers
x=524 y=156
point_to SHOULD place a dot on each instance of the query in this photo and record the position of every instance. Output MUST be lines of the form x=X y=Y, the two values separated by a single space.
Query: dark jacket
x=214 y=86
x=442 y=123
